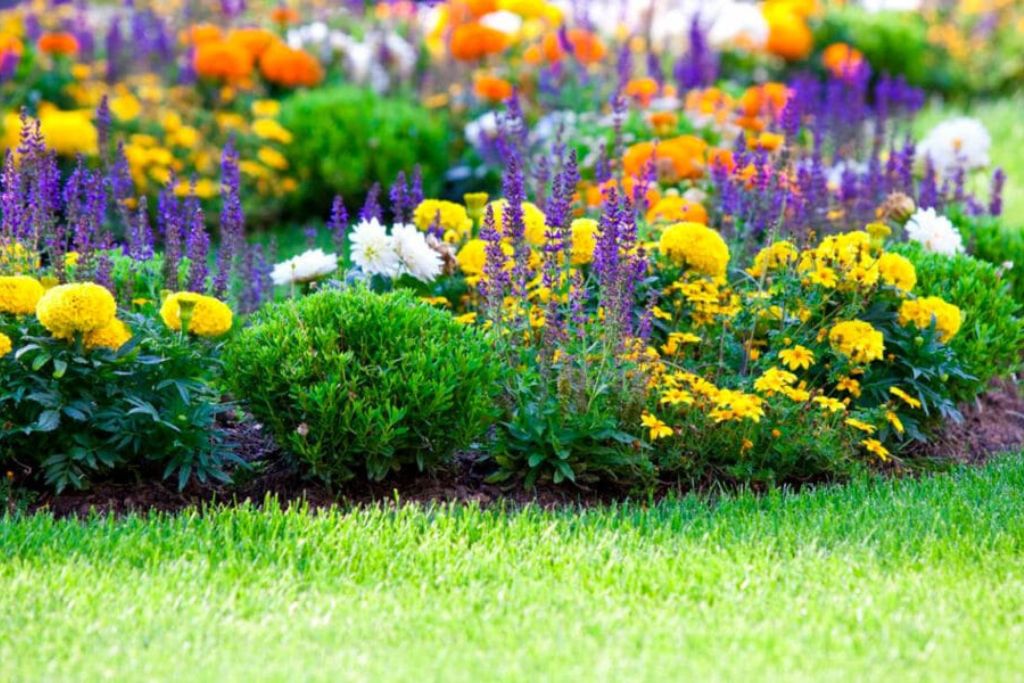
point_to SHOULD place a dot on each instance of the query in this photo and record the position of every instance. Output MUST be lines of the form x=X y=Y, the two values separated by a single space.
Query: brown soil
x=994 y=425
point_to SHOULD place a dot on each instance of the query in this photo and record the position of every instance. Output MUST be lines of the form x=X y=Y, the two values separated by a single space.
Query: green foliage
x=356 y=383
x=348 y=138
x=74 y=414
x=989 y=343
x=989 y=240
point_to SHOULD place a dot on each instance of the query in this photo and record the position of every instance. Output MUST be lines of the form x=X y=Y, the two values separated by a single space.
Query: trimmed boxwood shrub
x=351 y=138
x=357 y=383
x=989 y=343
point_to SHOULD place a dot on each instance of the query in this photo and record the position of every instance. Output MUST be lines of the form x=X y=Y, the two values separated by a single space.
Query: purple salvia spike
x=399 y=197
x=338 y=223
x=995 y=202
x=371 y=209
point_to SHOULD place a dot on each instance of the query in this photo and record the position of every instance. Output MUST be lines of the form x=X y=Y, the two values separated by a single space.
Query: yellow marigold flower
x=533 y=218
x=68 y=133
x=875 y=446
x=897 y=271
x=19 y=294
x=5 y=344
x=865 y=427
x=830 y=404
x=797 y=357
x=466 y=318
x=921 y=312
x=584 y=240
x=658 y=429
x=125 y=107
x=266 y=108
x=905 y=397
x=113 y=336
x=773 y=257
x=272 y=158
x=695 y=246
x=857 y=340
x=83 y=307
x=208 y=317
x=895 y=421
x=448 y=216
x=269 y=129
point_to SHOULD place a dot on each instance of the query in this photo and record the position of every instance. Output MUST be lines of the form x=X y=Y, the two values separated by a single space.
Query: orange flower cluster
x=642 y=90
x=789 y=36
x=586 y=46
x=675 y=159
x=255 y=41
x=491 y=88
x=595 y=193
x=283 y=15
x=9 y=45
x=197 y=34
x=473 y=41
x=222 y=60
x=58 y=43
x=841 y=59
x=290 y=68
x=762 y=101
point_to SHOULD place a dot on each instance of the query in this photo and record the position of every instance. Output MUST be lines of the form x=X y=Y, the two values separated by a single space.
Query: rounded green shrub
x=357 y=383
x=989 y=343
x=351 y=138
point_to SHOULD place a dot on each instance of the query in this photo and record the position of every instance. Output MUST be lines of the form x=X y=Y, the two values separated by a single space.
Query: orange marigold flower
x=789 y=36
x=675 y=159
x=198 y=34
x=473 y=41
x=254 y=40
x=595 y=193
x=677 y=210
x=290 y=68
x=284 y=15
x=492 y=88
x=58 y=43
x=721 y=158
x=663 y=122
x=586 y=46
x=767 y=98
x=841 y=59
x=642 y=90
x=9 y=45
x=223 y=61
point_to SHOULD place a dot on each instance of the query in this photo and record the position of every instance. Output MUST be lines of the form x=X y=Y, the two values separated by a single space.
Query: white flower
x=504 y=21
x=306 y=267
x=956 y=143
x=891 y=5
x=735 y=24
x=418 y=258
x=936 y=233
x=484 y=129
x=373 y=250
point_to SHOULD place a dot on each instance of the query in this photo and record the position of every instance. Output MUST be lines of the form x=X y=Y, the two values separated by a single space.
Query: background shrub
x=989 y=240
x=348 y=138
x=989 y=343
x=354 y=382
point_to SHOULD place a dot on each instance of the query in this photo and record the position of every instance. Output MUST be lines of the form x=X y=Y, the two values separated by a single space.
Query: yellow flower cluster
x=534 y=220
x=452 y=218
x=921 y=312
x=775 y=256
x=5 y=344
x=113 y=336
x=897 y=271
x=857 y=340
x=205 y=316
x=66 y=310
x=19 y=294
x=696 y=247
x=846 y=260
x=584 y=241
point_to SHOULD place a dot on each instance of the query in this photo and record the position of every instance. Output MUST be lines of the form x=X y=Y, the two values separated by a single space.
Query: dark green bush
x=357 y=383
x=989 y=240
x=150 y=407
x=988 y=344
x=349 y=138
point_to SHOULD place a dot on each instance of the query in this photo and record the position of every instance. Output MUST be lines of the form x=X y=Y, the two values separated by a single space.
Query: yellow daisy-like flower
x=449 y=216
x=830 y=404
x=895 y=421
x=206 y=316
x=534 y=220
x=875 y=446
x=773 y=257
x=676 y=396
x=113 y=336
x=19 y=294
x=695 y=246
x=272 y=158
x=466 y=318
x=849 y=385
x=774 y=380
x=658 y=429
x=797 y=357
x=857 y=340
x=65 y=310
x=6 y=345
x=865 y=427
x=265 y=108
x=269 y=129
x=921 y=312
x=905 y=397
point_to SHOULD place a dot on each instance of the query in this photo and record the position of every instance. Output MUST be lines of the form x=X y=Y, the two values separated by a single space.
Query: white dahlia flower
x=936 y=233
x=956 y=143
x=418 y=259
x=373 y=250
x=306 y=267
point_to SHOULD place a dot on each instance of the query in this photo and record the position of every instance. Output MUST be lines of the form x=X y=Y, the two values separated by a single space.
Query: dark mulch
x=994 y=425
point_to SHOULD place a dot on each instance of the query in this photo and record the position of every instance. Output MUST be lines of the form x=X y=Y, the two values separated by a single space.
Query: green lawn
x=1004 y=120
x=878 y=580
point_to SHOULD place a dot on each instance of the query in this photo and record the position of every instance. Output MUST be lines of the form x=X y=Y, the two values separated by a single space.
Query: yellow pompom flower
x=535 y=222
x=19 y=294
x=921 y=312
x=695 y=246
x=472 y=257
x=205 y=315
x=897 y=271
x=5 y=345
x=66 y=310
x=269 y=129
x=857 y=340
x=449 y=217
x=584 y=240
x=773 y=257
x=113 y=336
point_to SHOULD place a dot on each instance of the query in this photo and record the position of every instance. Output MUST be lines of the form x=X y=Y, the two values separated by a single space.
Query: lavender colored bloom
x=399 y=196
x=171 y=225
x=416 y=187
x=338 y=223
x=232 y=219
x=371 y=209
x=995 y=204
x=197 y=245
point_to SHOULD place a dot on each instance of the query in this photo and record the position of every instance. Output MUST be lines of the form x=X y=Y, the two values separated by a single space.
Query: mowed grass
x=1004 y=119
x=878 y=580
